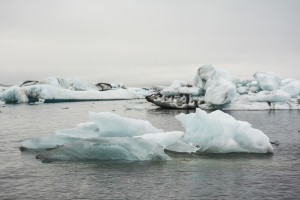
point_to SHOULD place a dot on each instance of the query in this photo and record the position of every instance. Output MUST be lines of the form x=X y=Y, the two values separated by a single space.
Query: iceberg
x=220 y=92
x=104 y=149
x=113 y=125
x=218 y=132
x=107 y=137
x=112 y=137
x=270 y=96
x=208 y=73
x=14 y=95
x=54 y=89
x=267 y=80
x=215 y=88
x=217 y=84
x=291 y=86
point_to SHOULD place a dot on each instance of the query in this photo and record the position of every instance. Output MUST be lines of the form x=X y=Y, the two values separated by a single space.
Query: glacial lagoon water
x=228 y=176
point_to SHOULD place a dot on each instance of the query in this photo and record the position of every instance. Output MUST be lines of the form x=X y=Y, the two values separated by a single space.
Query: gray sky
x=139 y=42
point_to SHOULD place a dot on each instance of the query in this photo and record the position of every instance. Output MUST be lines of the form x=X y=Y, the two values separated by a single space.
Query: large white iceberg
x=111 y=137
x=212 y=86
x=54 y=89
x=218 y=132
x=215 y=88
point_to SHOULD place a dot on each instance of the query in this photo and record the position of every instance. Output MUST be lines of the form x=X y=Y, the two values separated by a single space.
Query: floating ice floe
x=218 y=132
x=55 y=89
x=215 y=88
x=111 y=137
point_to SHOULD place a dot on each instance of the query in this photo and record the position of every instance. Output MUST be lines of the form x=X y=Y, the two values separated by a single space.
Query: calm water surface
x=229 y=176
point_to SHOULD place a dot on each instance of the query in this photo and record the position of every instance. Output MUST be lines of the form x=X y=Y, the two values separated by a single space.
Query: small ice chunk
x=243 y=90
x=254 y=89
x=254 y=83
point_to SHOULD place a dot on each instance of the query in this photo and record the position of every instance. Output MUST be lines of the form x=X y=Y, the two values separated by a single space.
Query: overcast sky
x=139 y=42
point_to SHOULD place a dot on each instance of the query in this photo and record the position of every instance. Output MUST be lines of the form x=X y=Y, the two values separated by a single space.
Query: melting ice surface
x=112 y=137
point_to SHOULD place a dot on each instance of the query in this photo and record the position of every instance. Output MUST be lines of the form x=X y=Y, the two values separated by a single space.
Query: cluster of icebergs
x=112 y=137
x=215 y=88
x=55 y=89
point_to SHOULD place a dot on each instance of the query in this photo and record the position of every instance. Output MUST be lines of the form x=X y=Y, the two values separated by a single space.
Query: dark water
x=231 y=176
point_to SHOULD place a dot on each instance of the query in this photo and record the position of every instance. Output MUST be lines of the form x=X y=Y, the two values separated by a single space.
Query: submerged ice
x=105 y=148
x=112 y=137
